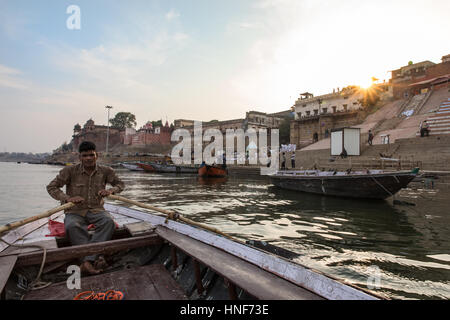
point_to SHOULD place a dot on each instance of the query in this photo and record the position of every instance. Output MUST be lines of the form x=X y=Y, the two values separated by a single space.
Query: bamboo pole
x=171 y=214
x=46 y=214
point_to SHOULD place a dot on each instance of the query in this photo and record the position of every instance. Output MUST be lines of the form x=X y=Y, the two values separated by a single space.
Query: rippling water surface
x=407 y=246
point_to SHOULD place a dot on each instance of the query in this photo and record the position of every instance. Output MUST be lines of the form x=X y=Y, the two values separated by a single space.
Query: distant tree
x=65 y=147
x=157 y=123
x=123 y=120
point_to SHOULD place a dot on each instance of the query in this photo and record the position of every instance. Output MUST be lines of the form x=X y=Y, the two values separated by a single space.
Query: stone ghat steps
x=439 y=123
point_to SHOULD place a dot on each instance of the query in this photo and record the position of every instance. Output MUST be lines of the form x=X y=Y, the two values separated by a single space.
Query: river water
x=402 y=252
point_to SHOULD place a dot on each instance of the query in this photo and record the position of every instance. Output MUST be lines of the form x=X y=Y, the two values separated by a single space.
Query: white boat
x=131 y=166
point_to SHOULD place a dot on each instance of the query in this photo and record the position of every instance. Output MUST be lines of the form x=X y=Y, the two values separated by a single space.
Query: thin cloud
x=172 y=15
x=10 y=78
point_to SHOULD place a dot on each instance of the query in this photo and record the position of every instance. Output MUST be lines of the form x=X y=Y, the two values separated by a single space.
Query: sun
x=366 y=83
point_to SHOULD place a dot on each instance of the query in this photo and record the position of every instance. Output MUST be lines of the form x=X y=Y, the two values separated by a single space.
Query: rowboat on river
x=147 y=167
x=212 y=171
x=152 y=257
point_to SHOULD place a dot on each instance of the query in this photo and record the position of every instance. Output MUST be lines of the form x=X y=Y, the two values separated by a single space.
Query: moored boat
x=152 y=257
x=212 y=171
x=147 y=167
x=131 y=166
x=367 y=184
x=172 y=168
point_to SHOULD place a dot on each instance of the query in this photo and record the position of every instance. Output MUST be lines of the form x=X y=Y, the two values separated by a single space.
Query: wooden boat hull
x=211 y=180
x=370 y=186
x=212 y=171
x=146 y=167
x=159 y=258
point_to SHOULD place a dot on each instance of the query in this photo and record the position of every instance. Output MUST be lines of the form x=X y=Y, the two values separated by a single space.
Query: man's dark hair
x=86 y=146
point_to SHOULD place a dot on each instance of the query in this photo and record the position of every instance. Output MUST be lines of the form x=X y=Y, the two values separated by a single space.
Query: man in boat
x=86 y=186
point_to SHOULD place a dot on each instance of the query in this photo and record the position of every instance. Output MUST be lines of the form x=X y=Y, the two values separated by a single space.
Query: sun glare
x=366 y=84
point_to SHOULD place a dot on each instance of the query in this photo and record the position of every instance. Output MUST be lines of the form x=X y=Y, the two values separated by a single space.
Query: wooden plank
x=139 y=228
x=257 y=282
x=313 y=280
x=152 y=282
x=48 y=244
x=6 y=266
x=107 y=247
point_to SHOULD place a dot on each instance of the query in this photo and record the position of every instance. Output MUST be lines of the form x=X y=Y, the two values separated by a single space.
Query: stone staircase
x=439 y=122
x=414 y=105
x=135 y=140
x=424 y=101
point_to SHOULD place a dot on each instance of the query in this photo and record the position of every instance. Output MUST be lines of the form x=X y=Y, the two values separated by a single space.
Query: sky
x=194 y=59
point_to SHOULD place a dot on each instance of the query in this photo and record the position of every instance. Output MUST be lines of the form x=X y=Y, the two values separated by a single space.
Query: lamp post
x=320 y=120
x=107 y=130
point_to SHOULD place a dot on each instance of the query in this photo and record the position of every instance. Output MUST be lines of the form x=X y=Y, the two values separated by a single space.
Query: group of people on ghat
x=283 y=160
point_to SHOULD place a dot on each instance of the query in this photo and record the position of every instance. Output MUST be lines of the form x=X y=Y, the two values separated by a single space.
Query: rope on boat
x=37 y=283
x=382 y=186
x=91 y=295
x=173 y=216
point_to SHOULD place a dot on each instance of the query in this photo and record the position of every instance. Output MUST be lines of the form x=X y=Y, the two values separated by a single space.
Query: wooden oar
x=46 y=214
x=172 y=214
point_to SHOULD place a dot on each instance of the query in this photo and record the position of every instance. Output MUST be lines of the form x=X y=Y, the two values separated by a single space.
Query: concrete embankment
x=428 y=153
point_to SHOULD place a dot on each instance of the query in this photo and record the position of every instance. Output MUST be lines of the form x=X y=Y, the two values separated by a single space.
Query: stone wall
x=150 y=138
x=99 y=138
x=304 y=131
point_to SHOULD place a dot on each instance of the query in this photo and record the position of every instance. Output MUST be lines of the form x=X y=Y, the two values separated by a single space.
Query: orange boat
x=212 y=171
x=147 y=167
x=208 y=181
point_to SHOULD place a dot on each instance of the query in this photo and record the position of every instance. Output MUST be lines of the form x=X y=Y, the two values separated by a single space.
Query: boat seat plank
x=122 y=220
x=139 y=228
x=49 y=243
x=72 y=252
x=152 y=282
x=256 y=281
x=6 y=266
